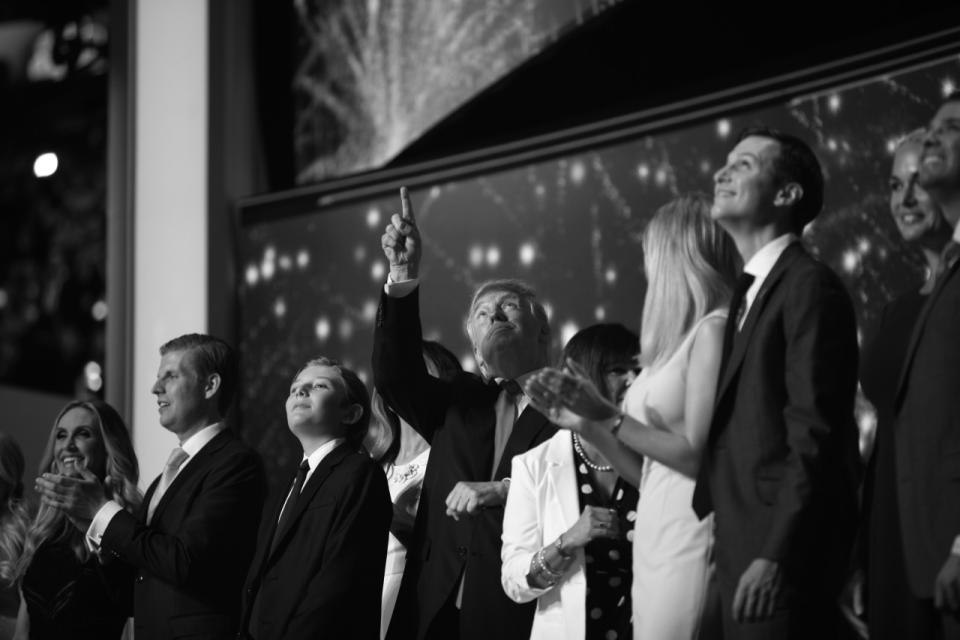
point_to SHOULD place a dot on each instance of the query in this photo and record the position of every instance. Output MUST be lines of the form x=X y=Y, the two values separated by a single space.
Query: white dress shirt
x=759 y=267
x=191 y=446
x=313 y=460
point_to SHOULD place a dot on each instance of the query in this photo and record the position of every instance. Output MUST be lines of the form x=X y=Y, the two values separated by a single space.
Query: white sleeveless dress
x=671 y=546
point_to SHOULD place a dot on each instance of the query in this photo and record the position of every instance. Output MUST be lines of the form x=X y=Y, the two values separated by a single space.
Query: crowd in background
x=700 y=479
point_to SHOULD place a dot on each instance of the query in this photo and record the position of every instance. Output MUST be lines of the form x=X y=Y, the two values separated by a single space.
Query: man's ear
x=352 y=414
x=212 y=386
x=788 y=195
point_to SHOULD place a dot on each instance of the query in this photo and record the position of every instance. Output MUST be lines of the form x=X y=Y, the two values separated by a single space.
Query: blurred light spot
x=468 y=362
x=373 y=217
x=705 y=166
x=364 y=376
x=370 y=310
x=610 y=275
x=476 y=255
x=99 y=311
x=891 y=145
x=540 y=190
x=864 y=245
x=345 y=329
x=253 y=274
x=435 y=192
x=947 y=86
x=360 y=253
x=578 y=171
x=268 y=266
x=303 y=258
x=284 y=262
x=723 y=127
x=661 y=176
x=45 y=165
x=831 y=144
x=567 y=331
x=850 y=261
x=493 y=256
x=93 y=376
x=323 y=329
x=378 y=270
x=833 y=103
x=280 y=308
x=4 y=298
x=527 y=253
x=643 y=171
x=600 y=314
x=548 y=309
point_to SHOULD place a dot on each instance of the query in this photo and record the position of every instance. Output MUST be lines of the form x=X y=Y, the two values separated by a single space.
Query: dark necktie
x=506 y=411
x=734 y=316
x=288 y=507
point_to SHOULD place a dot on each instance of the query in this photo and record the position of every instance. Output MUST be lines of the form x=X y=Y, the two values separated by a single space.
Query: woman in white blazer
x=569 y=517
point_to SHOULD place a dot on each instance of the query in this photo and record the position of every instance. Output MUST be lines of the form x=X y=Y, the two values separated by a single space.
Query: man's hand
x=79 y=498
x=946 y=590
x=469 y=497
x=757 y=592
x=401 y=242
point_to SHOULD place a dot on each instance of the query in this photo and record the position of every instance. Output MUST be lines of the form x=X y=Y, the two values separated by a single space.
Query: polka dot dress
x=608 y=562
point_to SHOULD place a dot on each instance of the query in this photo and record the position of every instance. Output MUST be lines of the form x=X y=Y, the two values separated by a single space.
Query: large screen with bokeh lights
x=567 y=222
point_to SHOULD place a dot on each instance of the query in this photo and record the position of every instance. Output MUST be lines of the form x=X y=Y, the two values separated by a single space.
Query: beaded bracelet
x=552 y=577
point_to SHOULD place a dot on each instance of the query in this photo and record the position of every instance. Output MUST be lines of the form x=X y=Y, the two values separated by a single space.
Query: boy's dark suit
x=459 y=421
x=192 y=557
x=781 y=466
x=323 y=576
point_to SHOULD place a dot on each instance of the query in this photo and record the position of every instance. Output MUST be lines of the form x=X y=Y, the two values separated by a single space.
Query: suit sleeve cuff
x=99 y=524
x=400 y=289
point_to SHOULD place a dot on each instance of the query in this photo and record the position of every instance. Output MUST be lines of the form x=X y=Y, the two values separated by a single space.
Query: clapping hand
x=79 y=495
x=568 y=398
x=401 y=242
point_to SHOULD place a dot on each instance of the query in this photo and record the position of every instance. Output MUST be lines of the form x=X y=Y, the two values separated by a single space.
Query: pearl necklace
x=583 y=456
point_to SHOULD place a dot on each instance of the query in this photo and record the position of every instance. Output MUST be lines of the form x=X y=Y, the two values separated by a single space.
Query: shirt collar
x=199 y=440
x=321 y=452
x=762 y=262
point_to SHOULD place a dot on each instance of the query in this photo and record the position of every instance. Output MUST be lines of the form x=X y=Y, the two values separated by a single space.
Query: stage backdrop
x=373 y=76
x=570 y=226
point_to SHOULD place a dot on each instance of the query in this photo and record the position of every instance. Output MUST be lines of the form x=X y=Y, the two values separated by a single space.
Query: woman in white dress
x=691 y=265
x=404 y=454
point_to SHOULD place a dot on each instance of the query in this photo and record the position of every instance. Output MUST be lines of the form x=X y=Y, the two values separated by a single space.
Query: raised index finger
x=407 y=213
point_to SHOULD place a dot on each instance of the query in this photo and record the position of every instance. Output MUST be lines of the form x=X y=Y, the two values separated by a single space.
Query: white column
x=170 y=200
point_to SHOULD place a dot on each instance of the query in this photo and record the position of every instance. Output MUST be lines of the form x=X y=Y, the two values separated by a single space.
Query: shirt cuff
x=99 y=525
x=400 y=289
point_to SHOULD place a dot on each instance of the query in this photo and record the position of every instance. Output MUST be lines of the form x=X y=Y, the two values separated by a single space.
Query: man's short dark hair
x=795 y=162
x=209 y=355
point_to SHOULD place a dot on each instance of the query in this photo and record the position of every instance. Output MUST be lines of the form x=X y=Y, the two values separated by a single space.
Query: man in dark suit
x=194 y=537
x=927 y=408
x=781 y=466
x=318 y=569
x=451 y=586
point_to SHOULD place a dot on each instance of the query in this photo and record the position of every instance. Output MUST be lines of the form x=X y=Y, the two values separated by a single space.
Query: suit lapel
x=525 y=431
x=562 y=478
x=918 y=330
x=742 y=338
x=145 y=505
x=194 y=467
x=317 y=478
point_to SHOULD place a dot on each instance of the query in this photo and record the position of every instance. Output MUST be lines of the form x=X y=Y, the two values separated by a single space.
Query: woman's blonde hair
x=13 y=516
x=691 y=266
x=122 y=474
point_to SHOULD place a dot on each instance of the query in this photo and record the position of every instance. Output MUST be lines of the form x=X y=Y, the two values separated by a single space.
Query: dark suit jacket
x=458 y=419
x=782 y=463
x=192 y=558
x=323 y=577
x=927 y=435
